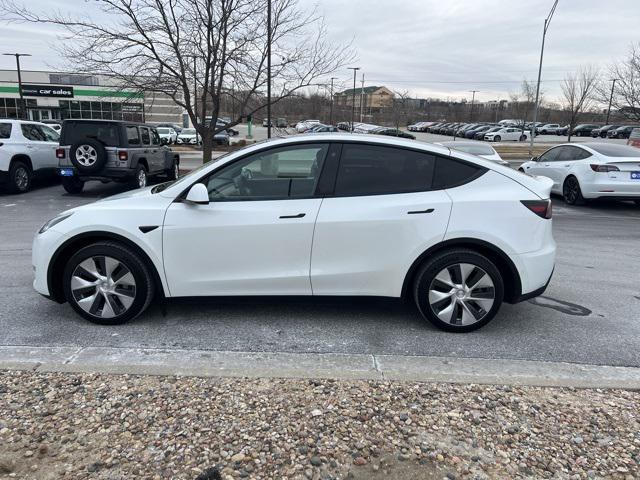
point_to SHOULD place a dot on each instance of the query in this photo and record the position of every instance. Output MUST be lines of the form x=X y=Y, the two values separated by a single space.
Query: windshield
x=163 y=130
x=189 y=131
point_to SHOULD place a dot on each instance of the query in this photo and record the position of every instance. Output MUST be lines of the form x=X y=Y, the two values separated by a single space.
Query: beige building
x=373 y=98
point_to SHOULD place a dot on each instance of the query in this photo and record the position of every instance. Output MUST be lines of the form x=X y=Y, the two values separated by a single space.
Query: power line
x=457 y=81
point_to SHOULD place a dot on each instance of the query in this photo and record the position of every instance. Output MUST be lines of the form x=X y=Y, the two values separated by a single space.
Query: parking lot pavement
x=588 y=315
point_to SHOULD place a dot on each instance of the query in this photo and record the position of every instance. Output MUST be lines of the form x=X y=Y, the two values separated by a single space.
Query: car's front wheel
x=107 y=283
x=174 y=172
x=459 y=290
x=497 y=138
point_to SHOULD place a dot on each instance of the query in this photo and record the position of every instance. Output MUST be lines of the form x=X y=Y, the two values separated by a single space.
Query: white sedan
x=507 y=133
x=317 y=215
x=587 y=171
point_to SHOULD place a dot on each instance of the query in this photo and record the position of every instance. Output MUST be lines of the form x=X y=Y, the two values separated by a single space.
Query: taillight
x=60 y=153
x=123 y=156
x=604 y=168
x=542 y=208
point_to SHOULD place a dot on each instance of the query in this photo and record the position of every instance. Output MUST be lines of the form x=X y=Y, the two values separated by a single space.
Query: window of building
x=375 y=170
x=73 y=79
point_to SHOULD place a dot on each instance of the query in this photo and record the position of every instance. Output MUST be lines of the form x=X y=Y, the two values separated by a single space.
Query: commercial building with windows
x=58 y=96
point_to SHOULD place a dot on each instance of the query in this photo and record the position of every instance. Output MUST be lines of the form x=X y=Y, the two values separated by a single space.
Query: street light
x=613 y=85
x=547 y=22
x=473 y=98
x=22 y=109
x=268 y=68
x=353 y=99
x=331 y=108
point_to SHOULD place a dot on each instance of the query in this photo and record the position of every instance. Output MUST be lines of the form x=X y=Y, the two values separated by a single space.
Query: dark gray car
x=108 y=150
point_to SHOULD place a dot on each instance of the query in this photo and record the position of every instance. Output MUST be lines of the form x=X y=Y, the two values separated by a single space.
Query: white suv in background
x=26 y=148
x=311 y=215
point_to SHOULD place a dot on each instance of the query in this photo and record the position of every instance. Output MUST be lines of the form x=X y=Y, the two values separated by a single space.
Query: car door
x=254 y=237
x=158 y=151
x=380 y=216
x=40 y=145
x=148 y=150
x=564 y=163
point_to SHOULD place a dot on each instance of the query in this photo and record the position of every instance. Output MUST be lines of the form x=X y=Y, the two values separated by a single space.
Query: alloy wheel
x=142 y=178
x=21 y=178
x=461 y=294
x=86 y=155
x=571 y=190
x=103 y=286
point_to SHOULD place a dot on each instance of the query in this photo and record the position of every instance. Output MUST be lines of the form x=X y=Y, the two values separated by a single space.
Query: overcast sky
x=440 y=48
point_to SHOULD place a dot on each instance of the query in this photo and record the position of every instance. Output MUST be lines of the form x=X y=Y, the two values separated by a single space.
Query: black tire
x=174 y=172
x=441 y=261
x=571 y=192
x=143 y=290
x=20 y=176
x=523 y=138
x=140 y=173
x=497 y=138
x=637 y=202
x=88 y=156
x=72 y=185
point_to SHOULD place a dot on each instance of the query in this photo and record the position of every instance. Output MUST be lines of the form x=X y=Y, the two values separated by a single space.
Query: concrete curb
x=315 y=365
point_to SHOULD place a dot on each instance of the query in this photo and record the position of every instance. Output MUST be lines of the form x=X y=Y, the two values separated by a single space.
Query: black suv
x=112 y=150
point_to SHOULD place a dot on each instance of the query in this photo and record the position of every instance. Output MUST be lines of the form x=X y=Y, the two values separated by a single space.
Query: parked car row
x=479 y=131
x=85 y=150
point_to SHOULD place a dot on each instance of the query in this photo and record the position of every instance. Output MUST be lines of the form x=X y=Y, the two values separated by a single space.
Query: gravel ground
x=55 y=425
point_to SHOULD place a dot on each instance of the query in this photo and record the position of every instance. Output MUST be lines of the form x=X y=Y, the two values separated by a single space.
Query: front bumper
x=43 y=247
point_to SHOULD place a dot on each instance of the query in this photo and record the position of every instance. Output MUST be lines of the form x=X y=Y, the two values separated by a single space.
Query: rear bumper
x=105 y=174
x=535 y=269
x=612 y=188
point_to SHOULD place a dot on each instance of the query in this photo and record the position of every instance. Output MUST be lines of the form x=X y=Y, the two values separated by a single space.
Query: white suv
x=26 y=148
x=313 y=214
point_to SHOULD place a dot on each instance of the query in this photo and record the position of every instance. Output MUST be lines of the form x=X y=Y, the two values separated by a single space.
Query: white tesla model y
x=320 y=214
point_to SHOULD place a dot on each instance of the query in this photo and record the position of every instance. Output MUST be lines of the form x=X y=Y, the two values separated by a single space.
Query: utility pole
x=23 y=108
x=353 y=96
x=268 y=68
x=331 y=107
x=361 y=97
x=473 y=98
x=195 y=95
x=613 y=85
x=547 y=22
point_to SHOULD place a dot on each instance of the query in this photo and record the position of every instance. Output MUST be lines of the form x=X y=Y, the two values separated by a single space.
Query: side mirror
x=535 y=159
x=198 y=194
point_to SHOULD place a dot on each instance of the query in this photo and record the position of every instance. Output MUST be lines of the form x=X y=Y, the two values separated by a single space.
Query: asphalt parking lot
x=589 y=313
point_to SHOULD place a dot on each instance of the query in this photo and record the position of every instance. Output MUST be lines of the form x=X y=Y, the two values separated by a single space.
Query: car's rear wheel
x=523 y=138
x=107 y=283
x=571 y=191
x=459 y=290
x=19 y=177
x=72 y=185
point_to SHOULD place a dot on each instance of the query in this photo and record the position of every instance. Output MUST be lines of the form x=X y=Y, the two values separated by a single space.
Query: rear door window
x=32 y=132
x=146 y=137
x=450 y=173
x=133 y=136
x=5 y=130
x=155 y=138
x=378 y=170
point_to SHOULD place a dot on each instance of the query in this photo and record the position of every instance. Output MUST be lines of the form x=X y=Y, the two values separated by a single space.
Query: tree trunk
x=207 y=148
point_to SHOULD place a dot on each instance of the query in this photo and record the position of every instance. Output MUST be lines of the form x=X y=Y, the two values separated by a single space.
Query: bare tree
x=578 y=92
x=399 y=107
x=522 y=102
x=626 y=95
x=197 y=51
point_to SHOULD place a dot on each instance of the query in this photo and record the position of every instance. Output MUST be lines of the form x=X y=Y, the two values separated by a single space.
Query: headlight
x=54 y=221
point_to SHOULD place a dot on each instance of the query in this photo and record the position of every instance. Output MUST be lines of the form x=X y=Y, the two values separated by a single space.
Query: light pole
x=268 y=68
x=353 y=96
x=473 y=98
x=613 y=85
x=22 y=109
x=547 y=22
x=331 y=104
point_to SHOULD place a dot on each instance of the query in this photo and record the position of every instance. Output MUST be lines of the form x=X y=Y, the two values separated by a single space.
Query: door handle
x=299 y=215
x=415 y=212
x=568 y=165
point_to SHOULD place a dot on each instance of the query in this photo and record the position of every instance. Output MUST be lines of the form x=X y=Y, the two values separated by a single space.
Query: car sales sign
x=47 y=91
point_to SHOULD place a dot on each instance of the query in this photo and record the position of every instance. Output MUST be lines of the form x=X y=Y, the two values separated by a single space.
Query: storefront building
x=58 y=96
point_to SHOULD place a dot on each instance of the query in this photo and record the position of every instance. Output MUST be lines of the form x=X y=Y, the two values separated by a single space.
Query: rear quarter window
x=5 y=130
x=450 y=173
